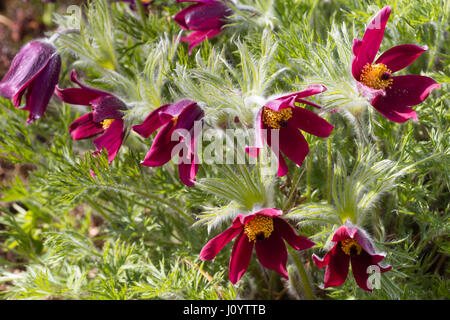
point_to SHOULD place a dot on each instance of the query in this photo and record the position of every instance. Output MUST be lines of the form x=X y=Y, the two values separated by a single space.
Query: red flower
x=390 y=95
x=264 y=230
x=179 y=116
x=351 y=245
x=105 y=119
x=282 y=114
x=205 y=18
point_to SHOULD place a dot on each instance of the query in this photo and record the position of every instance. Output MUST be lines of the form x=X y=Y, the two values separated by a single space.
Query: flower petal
x=84 y=127
x=360 y=263
x=41 y=89
x=111 y=140
x=107 y=107
x=371 y=41
x=292 y=144
x=152 y=123
x=272 y=253
x=253 y=151
x=401 y=56
x=161 y=150
x=197 y=37
x=213 y=247
x=240 y=257
x=337 y=268
x=408 y=90
x=310 y=122
x=288 y=233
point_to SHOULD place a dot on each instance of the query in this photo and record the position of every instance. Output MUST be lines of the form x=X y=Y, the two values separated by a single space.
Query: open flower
x=283 y=115
x=177 y=121
x=34 y=71
x=353 y=246
x=390 y=95
x=105 y=118
x=205 y=18
x=265 y=231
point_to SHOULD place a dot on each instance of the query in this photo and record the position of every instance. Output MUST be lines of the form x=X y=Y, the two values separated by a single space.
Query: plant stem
x=329 y=165
x=304 y=276
x=308 y=177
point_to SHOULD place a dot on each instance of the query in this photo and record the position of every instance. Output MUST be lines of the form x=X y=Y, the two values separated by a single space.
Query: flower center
x=351 y=247
x=258 y=227
x=276 y=119
x=376 y=76
x=106 y=123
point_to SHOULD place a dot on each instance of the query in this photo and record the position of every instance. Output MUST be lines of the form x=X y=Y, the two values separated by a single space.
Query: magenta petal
x=212 y=248
x=344 y=233
x=282 y=166
x=292 y=144
x=197 y=37
x=107 y=107
x=41 y=89
x=152 y=123
x=84 y=127
x=111 y=140
x=371 y=40
x=206 y=16
x=408 y=90
x=337 y=268
x=161 y=150
x=240 y=257
x=322 y=262
x=268 y=212
x=259 y=136
x=272 y=253
x=175 y=109
x=310 y=122
x=356 y=46
x=400 y=57
x=360 y=263
x=288 y=233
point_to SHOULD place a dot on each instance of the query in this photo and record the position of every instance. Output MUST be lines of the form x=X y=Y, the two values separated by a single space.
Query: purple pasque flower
x=205 y=18
x=390 y=95
x=106 y=118
x=352 y=245
x=177 y=122
x=283 y=115
x=34 y=72
x=265 y=231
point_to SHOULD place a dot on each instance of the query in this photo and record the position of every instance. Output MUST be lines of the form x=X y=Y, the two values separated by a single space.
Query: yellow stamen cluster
x=259 y=225
x=376 y=76
x=348 y=244
x=106 y=123
x=175 y=120
x=274 y=119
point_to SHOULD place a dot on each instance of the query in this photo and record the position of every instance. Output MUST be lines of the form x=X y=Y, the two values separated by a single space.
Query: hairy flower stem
x=303 y=275
x=330 y=167
x=308 y=177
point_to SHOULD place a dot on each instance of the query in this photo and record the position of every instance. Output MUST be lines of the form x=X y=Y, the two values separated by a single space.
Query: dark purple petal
x=161 y=150
x=272 y=253
x=212 y=248
x=107 y=107
x=152 y=123
x=268 y=212
x=337 y=268
x=41 y=89
x=360 y=263
x=344 y=233
x=371 y=41
x=240 y=257
x=25 y=67
x=408 y=90
x=111 y=140
x=84 y=127
x=288 y=233
x=310 y=122
x=400 y=57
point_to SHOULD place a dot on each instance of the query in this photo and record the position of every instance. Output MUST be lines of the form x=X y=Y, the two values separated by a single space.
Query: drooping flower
x=205 y=18
x=177 y=121
x=352 y=245
x=283 y=115
x=265 y=231
x=390 y=95
x=34 y=72
x=106 y=118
